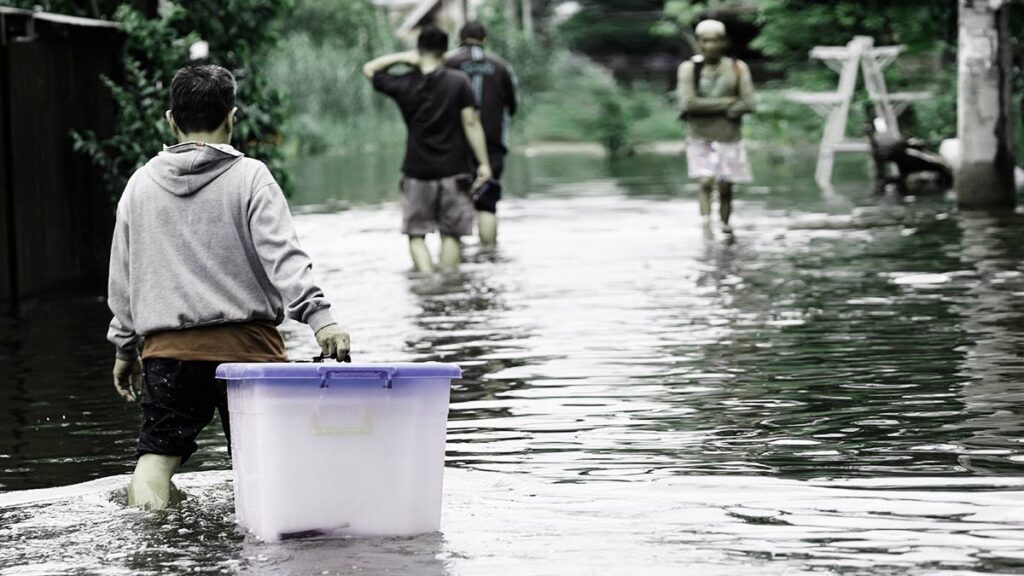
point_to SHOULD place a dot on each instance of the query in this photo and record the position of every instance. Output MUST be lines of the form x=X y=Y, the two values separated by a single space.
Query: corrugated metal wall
x=62 y=215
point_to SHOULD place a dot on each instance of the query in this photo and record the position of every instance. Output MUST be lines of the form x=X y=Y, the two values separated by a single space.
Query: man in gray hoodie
x=205 y=263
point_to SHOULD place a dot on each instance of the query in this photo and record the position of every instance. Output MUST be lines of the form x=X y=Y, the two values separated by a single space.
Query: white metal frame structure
x=859 y=54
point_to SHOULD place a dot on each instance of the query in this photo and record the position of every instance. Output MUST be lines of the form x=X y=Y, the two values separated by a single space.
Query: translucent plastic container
x=338 y=449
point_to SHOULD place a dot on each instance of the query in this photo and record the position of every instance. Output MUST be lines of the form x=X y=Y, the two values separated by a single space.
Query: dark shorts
x=443 y=204
x=485 y=198
x=489 y=202
x=178 y=401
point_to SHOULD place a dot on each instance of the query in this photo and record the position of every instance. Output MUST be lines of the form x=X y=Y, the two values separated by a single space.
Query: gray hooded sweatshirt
x=204 y=236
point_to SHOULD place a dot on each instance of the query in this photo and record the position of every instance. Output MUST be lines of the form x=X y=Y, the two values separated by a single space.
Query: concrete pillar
x=984 y=124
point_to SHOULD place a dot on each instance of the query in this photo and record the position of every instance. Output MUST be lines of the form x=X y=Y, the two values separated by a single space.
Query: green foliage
x=680 y=16
x=586 y=105
x=934 y=119
x=791 y=28
x=616 y=27
x=318 y=65
x=330 y=103
x=531 y=58
x=350 y=23
x=781 y=122
x=152 y=51
x=240 y=34
x=611 y=125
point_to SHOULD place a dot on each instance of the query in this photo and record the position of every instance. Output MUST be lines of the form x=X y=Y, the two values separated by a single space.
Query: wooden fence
x=55 y=214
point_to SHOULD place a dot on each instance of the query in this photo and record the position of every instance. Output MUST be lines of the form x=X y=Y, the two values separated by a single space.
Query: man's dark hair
x=201 y=97
x=473 y=30
x=432 y=40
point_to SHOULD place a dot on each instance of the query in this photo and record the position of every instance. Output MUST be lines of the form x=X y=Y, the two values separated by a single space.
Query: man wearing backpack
x=715 y=92
x=494 y=84
x=445 y=144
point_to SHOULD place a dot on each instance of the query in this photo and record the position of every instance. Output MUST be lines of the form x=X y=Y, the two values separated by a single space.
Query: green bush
x=319 y=67
x=153 y=49
x=330 y=103
x=586 y=105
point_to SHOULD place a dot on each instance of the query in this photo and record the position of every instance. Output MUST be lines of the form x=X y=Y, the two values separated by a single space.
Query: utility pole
x=984 y=124
x=527 y=9
x=510 y=13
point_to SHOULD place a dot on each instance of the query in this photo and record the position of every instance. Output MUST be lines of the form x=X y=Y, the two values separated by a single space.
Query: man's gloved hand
x=333 y=341
x=128 y=378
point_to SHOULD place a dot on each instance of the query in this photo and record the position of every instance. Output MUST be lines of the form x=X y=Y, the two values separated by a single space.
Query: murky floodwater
x=840 y=389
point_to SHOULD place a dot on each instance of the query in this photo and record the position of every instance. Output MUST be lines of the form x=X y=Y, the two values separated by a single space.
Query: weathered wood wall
x=57 y=215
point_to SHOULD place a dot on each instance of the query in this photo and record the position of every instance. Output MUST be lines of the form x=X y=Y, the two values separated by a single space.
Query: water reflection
x=418 y=556
x=992 y=390
x=57 y=407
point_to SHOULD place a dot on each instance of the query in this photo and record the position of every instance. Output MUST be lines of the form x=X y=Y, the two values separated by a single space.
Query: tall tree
x=603 y=27
x=239 y=33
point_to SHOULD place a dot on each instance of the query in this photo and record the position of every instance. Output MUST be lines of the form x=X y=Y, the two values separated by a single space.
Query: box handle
x=386 y=374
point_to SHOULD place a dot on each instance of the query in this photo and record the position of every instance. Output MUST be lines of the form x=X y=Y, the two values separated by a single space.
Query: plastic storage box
x=341 y=449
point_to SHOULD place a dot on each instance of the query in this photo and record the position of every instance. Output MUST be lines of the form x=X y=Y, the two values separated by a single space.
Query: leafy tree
x=680 y=16
x=603 y=27
x=341 y=22
x=790 y=28
x=241 y=34
x=152 y=52
x=530 y=57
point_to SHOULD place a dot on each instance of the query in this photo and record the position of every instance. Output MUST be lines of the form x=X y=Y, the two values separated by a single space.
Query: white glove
x=334 y=342
x=128 y=378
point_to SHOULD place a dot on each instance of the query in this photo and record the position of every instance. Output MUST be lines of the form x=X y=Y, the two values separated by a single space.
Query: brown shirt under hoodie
x=236 y=342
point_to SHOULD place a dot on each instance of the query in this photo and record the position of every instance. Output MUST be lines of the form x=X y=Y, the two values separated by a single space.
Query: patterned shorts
x=726 y=161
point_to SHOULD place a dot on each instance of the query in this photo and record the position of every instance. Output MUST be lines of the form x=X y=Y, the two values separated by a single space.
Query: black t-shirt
x=494 y=85
x=431 y=106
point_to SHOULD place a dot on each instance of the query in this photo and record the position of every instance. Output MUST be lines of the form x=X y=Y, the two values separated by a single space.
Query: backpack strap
x=698 y=65
x=736 y=70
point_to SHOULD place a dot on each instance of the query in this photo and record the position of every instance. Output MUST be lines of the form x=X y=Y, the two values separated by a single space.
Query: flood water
x=838 y=389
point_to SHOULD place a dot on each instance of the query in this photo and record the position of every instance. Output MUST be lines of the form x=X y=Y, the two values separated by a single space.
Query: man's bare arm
x=412 y=58
x=477 y=141
x=690 y=102
x=745 y=104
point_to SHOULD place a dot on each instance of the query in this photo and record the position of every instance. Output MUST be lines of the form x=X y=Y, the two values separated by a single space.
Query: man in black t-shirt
x=443 y=128
x=494 y=84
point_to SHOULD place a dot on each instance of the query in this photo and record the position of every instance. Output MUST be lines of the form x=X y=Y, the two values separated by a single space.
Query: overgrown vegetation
x=156 y=47
x=318 y=67
x=240 y=34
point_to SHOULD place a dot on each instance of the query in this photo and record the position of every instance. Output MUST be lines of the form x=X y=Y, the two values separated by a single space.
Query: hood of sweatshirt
x=184 y=169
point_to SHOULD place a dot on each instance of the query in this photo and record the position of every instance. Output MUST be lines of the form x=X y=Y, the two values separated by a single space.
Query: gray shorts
x=445 y=205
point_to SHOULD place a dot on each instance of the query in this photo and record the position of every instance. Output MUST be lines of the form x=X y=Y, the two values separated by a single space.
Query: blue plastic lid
x=296 y=370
